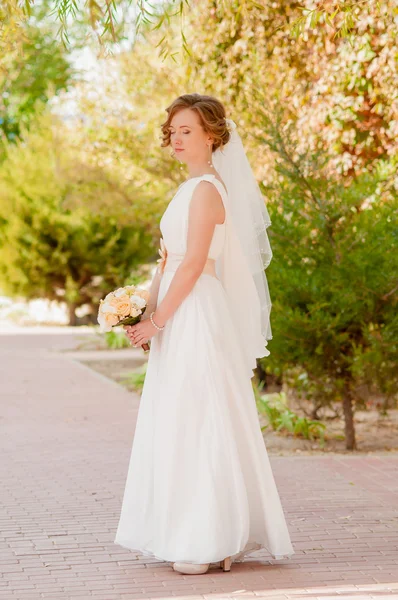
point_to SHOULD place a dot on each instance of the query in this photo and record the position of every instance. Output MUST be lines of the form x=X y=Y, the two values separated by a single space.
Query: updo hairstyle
x=211 y=114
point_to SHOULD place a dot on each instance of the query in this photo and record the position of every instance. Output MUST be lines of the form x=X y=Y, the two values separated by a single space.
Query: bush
x=281 y=418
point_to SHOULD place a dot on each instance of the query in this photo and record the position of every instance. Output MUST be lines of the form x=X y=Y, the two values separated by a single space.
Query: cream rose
x=107 y=319
x=111 y=319
x=122 y=305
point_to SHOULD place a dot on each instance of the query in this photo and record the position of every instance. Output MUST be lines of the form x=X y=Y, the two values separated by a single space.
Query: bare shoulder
x=207 y=187
x=207 y=198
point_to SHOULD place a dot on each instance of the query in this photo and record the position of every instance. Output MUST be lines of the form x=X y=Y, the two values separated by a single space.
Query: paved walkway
x=65 y=441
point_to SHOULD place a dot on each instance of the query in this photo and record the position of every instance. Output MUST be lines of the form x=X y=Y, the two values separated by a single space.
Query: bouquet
x=124 y=306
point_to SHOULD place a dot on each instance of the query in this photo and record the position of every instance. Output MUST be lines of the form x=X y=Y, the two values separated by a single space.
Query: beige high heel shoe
x=225 y=564
x=192 y=569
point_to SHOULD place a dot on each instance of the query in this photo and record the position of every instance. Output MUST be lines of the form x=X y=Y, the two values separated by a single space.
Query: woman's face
x=188 y=139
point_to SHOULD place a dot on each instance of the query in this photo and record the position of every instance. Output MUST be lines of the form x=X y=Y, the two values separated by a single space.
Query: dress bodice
x=174 y=222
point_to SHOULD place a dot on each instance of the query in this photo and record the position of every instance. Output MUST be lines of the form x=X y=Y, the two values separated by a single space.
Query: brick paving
x=66 y=435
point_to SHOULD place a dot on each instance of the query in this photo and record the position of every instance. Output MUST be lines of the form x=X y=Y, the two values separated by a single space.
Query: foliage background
x=84 y=182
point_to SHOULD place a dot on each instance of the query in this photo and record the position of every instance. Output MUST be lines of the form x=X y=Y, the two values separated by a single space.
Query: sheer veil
x=247 y=250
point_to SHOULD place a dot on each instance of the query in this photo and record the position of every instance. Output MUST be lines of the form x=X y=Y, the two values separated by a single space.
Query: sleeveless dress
x=199 y=485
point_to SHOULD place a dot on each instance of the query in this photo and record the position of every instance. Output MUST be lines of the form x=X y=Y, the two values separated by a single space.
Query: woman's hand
x=141 y=332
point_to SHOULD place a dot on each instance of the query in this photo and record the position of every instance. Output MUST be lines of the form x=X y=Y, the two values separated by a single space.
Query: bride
x=199 y=487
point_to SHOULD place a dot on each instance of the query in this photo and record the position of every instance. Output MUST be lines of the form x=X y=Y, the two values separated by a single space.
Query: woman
x=200 y=488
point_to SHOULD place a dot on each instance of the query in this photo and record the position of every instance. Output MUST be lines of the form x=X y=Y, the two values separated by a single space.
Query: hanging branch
x=340 y=15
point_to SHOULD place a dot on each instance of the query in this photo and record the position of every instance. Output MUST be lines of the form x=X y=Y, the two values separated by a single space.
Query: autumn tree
x=333 y=223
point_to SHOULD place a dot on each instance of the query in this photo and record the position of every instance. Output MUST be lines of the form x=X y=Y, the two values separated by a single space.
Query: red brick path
x=65 y=441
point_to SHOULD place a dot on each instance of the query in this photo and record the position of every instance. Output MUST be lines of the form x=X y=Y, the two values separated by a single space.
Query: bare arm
x=204 y=211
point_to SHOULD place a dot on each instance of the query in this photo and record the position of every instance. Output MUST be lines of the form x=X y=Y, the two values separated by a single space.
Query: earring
x=209 y=161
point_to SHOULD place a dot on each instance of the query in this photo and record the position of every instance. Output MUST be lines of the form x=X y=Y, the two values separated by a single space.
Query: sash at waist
x=173 y=261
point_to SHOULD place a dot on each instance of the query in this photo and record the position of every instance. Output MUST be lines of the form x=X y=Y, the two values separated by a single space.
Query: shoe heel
x=225 y=564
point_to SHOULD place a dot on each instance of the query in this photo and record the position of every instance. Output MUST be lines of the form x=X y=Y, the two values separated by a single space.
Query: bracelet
x=153 y=322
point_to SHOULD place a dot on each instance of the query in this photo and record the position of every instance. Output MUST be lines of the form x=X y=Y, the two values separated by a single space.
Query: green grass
x=281 y=418
x=136 y=378
x=115 y=340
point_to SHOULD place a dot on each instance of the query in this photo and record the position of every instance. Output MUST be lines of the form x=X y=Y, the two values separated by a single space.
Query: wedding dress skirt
x=199 y=486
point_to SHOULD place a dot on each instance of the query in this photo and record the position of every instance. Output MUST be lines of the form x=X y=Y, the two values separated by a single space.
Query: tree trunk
x=72 y=314
x=350 y=442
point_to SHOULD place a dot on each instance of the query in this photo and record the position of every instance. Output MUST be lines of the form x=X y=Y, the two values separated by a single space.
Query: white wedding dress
x=199 y=486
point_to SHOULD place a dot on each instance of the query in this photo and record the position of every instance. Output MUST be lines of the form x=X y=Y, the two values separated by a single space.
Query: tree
x=99 y=167
x=338 y=99
x=334 y=273
x=340 y=92
x=116 y=121
x=30 y=75
x=54 y=241
x=110 y=22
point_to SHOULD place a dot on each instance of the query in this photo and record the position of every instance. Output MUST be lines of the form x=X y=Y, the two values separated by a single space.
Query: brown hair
x=211 y=114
